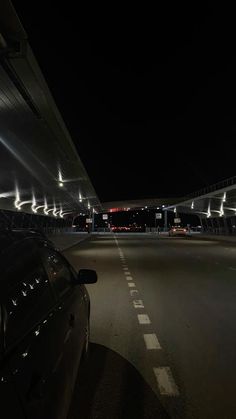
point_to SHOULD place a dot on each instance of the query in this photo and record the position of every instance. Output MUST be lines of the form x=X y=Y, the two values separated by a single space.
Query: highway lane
x=181 y=361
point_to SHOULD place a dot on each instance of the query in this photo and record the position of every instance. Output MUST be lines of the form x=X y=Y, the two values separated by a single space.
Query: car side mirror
x=87 y=276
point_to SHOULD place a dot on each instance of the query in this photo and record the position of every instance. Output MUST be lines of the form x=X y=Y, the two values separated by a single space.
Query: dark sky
x=148 y=94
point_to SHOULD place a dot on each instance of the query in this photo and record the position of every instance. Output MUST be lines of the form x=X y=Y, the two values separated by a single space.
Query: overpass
x=215 y=206
x=40 y=172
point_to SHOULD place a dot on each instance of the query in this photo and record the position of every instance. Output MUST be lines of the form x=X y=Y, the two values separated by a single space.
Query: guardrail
x=219 y=185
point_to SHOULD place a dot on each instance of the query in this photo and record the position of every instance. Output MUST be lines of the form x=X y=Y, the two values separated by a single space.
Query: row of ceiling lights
x=46 y=208
x=209 y=210
x=55 y=211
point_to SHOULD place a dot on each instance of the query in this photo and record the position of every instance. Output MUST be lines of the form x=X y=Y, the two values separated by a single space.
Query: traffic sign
x=89 y=220
x=177 y=220
x=105 y=216
x=158 y=215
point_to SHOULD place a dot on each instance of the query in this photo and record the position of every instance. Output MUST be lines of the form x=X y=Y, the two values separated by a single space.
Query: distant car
x=178 y=231
x=120 y=229
x=44 y=326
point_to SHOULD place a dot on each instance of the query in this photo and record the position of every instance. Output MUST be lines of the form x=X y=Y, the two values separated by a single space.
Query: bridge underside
x=40 y=167
x=215 y=206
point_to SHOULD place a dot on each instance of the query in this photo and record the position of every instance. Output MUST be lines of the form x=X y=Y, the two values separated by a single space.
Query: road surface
x=163 y=328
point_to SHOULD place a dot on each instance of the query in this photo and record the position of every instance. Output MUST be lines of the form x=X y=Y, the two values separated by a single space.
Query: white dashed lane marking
x=165 y=381
x=151 y=341
x=164 y=377
x=231 y=268
x=133 y=292
x=138 y=304
x=143 y=319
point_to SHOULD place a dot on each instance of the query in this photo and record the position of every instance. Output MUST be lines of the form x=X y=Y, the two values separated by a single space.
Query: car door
x=72 y=313
x=9 y=400
x=31 y=328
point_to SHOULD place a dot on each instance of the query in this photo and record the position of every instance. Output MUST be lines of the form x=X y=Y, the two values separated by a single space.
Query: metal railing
x=212 y=188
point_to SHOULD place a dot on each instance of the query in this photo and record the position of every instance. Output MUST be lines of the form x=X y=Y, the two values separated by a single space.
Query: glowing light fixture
x=222 y=209
x=65 y=213
x=40 y=206
x=224 y=197
x=23 y=203
x=49 y=210
x=17 y=200
x=54 y=211
x=192 y=205
x=209 y=211
x=45 y=207
x=33 y=206
x=60 y=180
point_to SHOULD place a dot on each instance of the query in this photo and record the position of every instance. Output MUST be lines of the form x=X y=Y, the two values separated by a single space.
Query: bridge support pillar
x=165 y=220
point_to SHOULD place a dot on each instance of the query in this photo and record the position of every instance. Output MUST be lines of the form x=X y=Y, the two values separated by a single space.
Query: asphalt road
x=179 y=363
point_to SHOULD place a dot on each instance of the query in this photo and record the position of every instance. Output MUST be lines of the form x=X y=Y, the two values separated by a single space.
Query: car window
x=29 y=298
x=59 y=271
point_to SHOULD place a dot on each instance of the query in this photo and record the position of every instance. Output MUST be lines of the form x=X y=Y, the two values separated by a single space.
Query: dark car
x=44 y=326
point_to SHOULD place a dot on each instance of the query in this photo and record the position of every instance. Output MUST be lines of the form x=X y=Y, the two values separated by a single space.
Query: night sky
x=148 y=95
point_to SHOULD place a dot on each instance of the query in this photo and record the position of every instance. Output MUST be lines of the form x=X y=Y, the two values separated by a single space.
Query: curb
x=74 y=244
